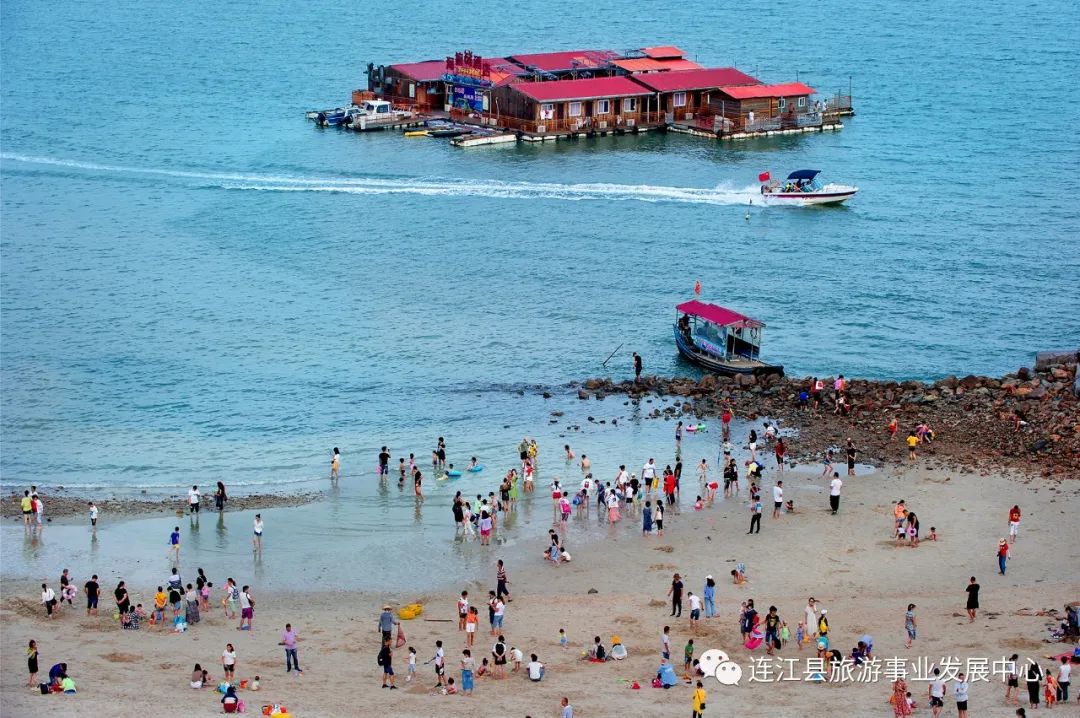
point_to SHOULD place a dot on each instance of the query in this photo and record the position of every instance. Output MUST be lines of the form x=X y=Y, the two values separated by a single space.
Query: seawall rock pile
x=1027 y=421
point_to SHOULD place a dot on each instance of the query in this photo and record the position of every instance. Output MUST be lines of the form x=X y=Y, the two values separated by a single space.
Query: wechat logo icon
x=715 y=663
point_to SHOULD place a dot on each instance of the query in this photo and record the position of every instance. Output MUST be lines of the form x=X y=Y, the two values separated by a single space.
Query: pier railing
x=838 y=104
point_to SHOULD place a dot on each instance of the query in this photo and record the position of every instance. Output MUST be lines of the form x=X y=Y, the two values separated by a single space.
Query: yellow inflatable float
x=409 y=612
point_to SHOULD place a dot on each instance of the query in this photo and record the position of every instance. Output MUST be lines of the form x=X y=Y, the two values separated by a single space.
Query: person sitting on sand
x=737 y=577
x=665 y=676
x=199 y=677
x=229 y=700
x=618 y=650
x=597 y=653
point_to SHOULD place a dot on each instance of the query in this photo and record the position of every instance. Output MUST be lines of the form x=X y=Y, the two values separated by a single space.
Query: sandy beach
x=617 y=585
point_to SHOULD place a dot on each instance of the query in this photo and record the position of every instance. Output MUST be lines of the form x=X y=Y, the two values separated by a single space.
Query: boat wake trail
x=436 y=187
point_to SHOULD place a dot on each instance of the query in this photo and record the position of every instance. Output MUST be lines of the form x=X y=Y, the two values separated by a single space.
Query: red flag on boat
x=763 y=177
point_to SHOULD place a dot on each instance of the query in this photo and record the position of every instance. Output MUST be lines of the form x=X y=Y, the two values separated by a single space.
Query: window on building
x=629 y=104
x=603 y=107
x=680 y=99
x=547 y=111
x=575 y=109
x=412 y=89
x=782 y=104
x=802 y=102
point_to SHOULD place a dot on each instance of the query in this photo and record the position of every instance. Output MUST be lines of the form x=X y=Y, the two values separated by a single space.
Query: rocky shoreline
x=60 y=504
x=975 y=418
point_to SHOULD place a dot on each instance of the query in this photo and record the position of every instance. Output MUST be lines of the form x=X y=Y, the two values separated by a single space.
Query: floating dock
x=551 y=96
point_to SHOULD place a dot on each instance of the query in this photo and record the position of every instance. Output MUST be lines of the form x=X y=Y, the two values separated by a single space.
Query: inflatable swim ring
x=478 y=467
x=453 y=473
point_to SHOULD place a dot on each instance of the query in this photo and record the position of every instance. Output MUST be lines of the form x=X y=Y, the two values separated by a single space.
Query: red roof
x=663 y=52
x=788 y=89
x=647 y=64
x=594 y=88
x=697 y=79
x=570 y=60
x=717 y=315
x=425 y=71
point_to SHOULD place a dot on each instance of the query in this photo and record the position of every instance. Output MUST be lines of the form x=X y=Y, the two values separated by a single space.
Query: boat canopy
x=803 y=174
x=721 y=316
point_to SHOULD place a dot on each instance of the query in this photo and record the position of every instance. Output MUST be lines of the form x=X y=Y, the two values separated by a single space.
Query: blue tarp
x=803 y=174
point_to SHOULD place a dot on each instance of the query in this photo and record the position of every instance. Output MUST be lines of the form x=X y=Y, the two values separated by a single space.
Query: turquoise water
x=197 y=284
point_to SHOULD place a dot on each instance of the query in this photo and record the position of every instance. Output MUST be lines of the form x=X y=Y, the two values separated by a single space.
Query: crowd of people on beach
x=175 y=607
x=649 y=498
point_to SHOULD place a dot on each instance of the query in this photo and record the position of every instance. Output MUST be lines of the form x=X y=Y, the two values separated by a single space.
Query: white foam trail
x=517 y=190
x=430 y=187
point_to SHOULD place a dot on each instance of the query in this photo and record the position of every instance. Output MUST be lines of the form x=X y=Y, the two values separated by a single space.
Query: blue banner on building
x=467 y=98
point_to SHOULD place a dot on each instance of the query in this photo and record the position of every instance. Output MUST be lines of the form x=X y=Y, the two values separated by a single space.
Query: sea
x=197 y=284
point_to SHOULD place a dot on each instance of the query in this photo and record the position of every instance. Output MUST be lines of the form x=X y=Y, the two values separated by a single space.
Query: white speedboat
x=802 y=188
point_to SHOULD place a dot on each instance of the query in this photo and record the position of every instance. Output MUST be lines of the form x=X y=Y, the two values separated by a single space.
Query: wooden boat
x=720 y=339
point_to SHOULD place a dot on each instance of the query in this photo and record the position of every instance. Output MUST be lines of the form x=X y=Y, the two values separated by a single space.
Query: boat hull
x=829 y=194
x=723 y=366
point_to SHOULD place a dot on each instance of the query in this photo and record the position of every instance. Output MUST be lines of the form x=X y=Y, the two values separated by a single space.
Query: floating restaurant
x=552 y=95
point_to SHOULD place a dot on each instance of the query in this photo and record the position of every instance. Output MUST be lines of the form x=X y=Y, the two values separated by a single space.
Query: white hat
x=709 y=577
x=823 y=612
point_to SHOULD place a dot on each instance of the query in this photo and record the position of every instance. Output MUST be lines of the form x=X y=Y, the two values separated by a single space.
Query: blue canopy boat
x=720 y=339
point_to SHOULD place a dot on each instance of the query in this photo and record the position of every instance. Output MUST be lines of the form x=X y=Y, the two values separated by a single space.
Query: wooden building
x=564 y=106
x=417 y=85
x=681 y=95
x=762 y=108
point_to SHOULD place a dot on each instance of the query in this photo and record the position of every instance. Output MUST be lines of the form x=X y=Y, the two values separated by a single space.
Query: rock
x=1045 y=360
x=547 y=394
x=593 y=384
x=593 y=590
x=1023 y=373
x=708 y=382
x=1037 y=393
x=582 y=394
x=600 y=396
x=556 y=413
x=1061 y=373
x=970 y=381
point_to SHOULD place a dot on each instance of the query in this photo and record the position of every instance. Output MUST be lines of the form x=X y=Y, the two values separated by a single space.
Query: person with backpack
x=386 y=660
x=231 y=601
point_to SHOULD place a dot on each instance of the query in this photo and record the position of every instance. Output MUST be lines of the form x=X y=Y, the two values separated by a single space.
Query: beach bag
x=44 y=688
x=400 y=637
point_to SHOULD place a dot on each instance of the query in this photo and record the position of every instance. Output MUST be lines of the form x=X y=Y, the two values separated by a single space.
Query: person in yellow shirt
x=160 y=599
x=27 y=507
x=699 y=701
x=912 y=442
